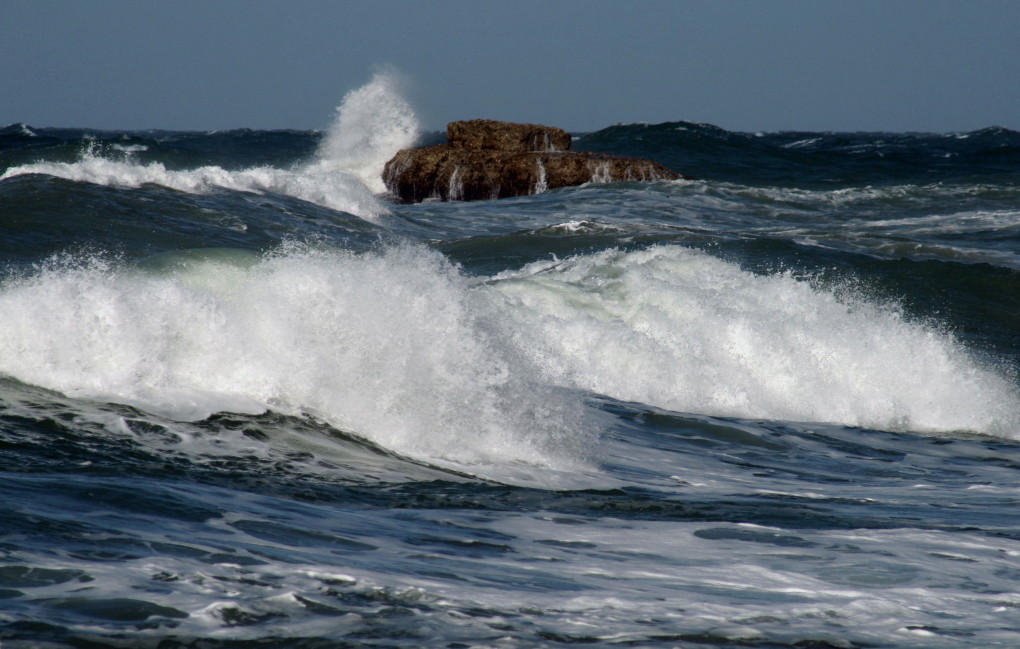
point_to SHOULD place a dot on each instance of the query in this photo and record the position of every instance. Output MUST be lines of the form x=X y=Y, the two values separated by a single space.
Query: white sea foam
x=679 y=329
x=867 y=198
x=914 y=221
x=130 y=149
x=401 y=348
x=948 y=224
x=390 y=345
x=335 y=189
x=371 y=124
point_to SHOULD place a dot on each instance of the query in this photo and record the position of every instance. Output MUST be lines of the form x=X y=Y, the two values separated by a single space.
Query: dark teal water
x=245 y=402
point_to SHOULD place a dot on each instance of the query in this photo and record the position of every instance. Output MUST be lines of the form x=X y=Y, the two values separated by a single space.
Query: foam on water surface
x=330 y=188
x=957 y=222
x=400 y=347
x=371 y=124
x=680 y=329
x=535 y=576
x=393 y=346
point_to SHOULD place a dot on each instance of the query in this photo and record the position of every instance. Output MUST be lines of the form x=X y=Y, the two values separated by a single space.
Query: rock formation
x=486 y=159
x=506 y=136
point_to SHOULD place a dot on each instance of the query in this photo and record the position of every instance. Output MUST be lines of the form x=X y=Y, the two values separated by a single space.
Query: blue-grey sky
x=895 y=65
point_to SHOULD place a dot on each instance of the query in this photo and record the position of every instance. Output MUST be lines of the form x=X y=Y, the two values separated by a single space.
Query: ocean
x=248 y=401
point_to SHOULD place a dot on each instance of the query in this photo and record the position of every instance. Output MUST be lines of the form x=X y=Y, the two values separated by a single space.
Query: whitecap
x=680 y=329
x=371 y=124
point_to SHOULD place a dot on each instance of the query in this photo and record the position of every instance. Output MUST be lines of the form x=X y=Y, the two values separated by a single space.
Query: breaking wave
x=371 y=124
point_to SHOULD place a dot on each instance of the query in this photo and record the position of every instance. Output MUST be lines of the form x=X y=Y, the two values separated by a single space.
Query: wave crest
x=372 y=123
x=679 y=329
x=393 y=345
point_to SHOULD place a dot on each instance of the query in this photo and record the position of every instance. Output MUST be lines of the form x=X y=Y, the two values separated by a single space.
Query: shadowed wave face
x=814 y=159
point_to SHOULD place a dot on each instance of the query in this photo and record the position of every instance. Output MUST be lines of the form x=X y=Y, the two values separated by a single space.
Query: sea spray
x=335 y=189
x=680 y=329
x=371 y=124
x=399 y=347
x=387 y=345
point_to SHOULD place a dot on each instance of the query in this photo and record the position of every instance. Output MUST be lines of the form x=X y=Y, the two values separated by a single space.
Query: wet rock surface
x=486 y=159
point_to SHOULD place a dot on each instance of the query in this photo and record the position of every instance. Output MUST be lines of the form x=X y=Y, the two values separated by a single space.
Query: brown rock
x=506 y=136
x=472 y=167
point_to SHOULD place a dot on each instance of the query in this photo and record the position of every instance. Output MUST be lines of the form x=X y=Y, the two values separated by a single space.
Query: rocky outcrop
x=506 y=136
x=485 y=159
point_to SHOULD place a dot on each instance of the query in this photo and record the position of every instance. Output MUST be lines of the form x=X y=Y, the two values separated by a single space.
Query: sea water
x=247 y=400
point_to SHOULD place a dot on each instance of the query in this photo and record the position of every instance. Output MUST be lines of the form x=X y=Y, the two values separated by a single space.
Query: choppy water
x=247 y=401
